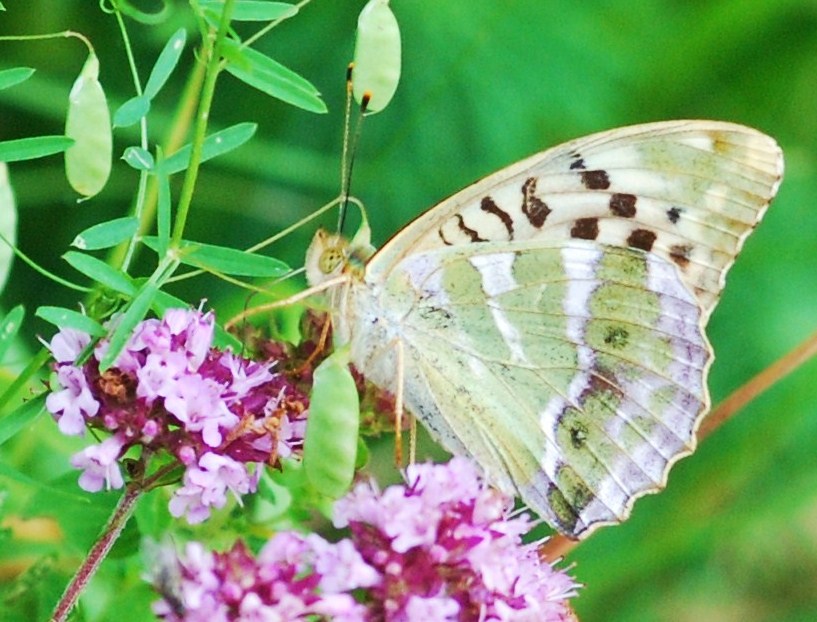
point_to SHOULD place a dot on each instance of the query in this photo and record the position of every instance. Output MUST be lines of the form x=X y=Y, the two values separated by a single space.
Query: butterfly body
x=550 y=316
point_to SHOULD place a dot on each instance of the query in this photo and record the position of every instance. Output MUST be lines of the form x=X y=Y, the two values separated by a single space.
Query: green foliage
x=483 y=84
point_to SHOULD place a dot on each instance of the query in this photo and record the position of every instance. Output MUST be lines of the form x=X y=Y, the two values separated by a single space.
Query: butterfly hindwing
x=572 y=373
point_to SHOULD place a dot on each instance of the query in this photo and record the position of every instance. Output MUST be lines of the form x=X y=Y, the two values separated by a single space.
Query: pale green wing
x=551 y=315
x=688 y=191
x=574 y=374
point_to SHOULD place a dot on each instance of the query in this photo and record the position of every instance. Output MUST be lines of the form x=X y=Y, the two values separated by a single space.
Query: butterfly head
x=331 y=255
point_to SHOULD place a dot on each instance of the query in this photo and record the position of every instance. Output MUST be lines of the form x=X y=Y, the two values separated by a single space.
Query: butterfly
x=548 y=320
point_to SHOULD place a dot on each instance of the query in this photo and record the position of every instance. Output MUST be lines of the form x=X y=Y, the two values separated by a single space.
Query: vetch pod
x=377 y=55
x=88 y=160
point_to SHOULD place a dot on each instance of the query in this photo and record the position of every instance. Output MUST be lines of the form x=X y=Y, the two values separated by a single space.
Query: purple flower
x=206 y=486
x=446 y=539
x=100 y=468
x=276 y=585
x=443 y=547
x=170 y=390
x=73 y=403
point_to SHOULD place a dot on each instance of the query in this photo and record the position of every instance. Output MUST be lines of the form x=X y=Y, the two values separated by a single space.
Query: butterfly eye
x=330 y=259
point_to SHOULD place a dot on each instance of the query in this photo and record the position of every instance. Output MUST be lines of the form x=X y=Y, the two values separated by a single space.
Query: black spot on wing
x=488 y=205
x=595 y=180
x=623 y=205
x=641 y=238
x=585 y=229
x=534 y=208
x=617 y=337
x=577 y=164
x=442 y=237
x=674 y=214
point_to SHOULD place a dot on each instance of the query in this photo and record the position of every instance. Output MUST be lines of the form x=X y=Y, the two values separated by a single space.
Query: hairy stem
x=122 y=512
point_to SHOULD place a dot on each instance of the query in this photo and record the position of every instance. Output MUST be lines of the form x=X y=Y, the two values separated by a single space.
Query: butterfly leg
x=398 y=406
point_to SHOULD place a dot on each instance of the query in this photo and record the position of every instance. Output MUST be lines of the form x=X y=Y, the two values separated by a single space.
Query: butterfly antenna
x=344 y=158
x=350 y=143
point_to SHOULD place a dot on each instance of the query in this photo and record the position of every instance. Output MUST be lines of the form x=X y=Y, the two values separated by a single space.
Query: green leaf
x=127 y=322
x=106 y=234
x=21 y=417
x=163 y=209
x=100 y=272
x=139 y=158
x=8 y=224
x=216 y=144
x=224 y=259
x=32 y=148
x=9 y=328
x=131 y=111
x=157 y=17
x=271 y=77
x=330 y=447
x=68 y=318
x=16 y=75
x=250 y=10
x=166 y=63
x=88 y=160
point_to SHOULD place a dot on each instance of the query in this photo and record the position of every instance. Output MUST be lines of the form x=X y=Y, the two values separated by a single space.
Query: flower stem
x=757 y=385
x=211 y=55
x=98 y=553
x=559 y=546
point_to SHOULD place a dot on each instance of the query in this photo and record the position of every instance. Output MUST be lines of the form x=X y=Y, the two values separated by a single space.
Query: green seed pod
x=88 y=160
x=376 y=70
x=330 y=447
x=8 y=223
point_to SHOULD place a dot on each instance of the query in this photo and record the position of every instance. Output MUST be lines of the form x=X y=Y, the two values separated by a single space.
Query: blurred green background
x=734 y=537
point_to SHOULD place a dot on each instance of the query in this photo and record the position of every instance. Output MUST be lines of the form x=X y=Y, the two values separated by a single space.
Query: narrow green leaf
x=100 y=272
x=131 y=111
x=127 y=322
x=330 y=447
x=163 y=208
x=139 y=158
x=250 y=10
x=143 y=17
x=32 y=148
x=271 y=77
x=68 y=318
x=166 y=63
x=23 y=416
x=224 y=259
x=106 y=234
x=216 y=144
x=88 y=160
x=13 y=76
x=8 y=224
x=9 y=328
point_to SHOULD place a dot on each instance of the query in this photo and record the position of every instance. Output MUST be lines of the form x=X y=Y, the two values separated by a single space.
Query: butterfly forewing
x=689 y=191
x=551 y=315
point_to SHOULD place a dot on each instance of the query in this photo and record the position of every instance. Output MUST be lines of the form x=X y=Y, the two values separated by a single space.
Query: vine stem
x=212 y=53
x=558 y=546
x=98 y=553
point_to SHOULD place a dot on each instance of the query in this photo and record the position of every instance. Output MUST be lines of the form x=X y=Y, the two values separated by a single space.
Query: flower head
x=442 y=547
x=171 y=390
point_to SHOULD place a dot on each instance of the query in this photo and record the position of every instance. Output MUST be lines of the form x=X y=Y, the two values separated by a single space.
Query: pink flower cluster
x=440 y=548
x=219 y=414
